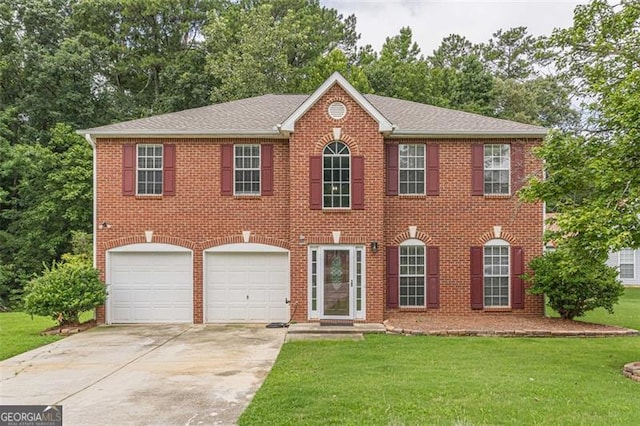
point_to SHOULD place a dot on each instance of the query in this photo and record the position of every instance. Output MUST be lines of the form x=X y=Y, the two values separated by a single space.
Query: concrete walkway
x=145 y=374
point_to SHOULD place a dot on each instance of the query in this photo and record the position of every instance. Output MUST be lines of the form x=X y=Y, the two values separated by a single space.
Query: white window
x=336 y=176
x=627 y=263
x=246 y=169
x=149 y=169
x=411 y=167
x=412 y=273
x=497 y=168
x=496 y=273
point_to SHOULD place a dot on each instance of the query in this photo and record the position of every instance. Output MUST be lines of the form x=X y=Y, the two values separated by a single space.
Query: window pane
x=412 y=282
x=149 y=169
x=496 y=276
x=411 y=169
x=336 y=175
x=247 y=169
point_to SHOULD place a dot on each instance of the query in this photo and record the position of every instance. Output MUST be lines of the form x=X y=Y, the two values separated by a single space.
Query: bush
x=65 y=290
x=574 y=282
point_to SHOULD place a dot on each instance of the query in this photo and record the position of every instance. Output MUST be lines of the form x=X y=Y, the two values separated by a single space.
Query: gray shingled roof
x=260 y=116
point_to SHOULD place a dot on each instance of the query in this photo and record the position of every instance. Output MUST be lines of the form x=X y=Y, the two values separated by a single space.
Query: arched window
x=336 y=175
x=496 y=267
x=412 y=264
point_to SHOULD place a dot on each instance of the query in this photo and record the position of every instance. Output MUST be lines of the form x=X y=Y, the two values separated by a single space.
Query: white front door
x=339 y=282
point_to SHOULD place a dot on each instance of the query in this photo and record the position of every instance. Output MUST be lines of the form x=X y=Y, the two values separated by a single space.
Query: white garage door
x=247 y=287
x=150 y=287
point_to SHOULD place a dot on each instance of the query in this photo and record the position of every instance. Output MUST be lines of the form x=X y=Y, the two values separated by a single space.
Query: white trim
x=246 y=247
x=384 y=125
x=633 y=262
x=497 y=242
x=412 y=242
x=248 y=194
x=424 y=273
x=353 y=312
x=209 y=134
x=137 y=168
x=508 y=170
x=349 y=156
x=424 y=168
x=492 y=134
x=146 y=247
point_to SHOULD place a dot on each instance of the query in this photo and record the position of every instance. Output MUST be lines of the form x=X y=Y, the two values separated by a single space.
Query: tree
x=511 y=54
x=65 y=290
x=336 y=60
x=399 y=71
x=574 y=283
x=594 y=176
x=257 y=47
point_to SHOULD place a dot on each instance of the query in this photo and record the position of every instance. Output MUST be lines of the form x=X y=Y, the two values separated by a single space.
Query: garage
x=246 y=283
x=150 y=283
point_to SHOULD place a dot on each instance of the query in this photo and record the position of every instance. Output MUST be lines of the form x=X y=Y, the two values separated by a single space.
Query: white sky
x=432 y=20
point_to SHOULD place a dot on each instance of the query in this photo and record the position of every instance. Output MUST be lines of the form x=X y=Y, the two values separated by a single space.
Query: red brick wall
x=360 y=132
x=455 y=221
x=197 y=217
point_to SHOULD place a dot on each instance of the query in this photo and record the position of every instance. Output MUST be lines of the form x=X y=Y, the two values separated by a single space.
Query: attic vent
x=337 y=110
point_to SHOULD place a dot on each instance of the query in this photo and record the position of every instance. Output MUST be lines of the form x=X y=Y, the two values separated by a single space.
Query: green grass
x=626 y=312
x=414 y=380
x=20 y=333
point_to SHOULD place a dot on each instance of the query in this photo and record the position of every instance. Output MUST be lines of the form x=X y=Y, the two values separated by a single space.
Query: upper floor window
x=336 y=176
x=411 y=169
x=496 y=273
x=247 y=169
x=497 y=168
x=627 y=263
x=412 y=274
x=150 y=164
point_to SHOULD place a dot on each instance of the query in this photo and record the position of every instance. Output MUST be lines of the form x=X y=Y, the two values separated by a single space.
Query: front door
x=337 y=283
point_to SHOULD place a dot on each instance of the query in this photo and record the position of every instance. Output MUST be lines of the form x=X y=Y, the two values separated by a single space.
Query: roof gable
x=288 y=125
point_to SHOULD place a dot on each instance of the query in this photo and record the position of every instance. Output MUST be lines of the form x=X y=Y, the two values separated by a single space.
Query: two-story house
x=333 y=206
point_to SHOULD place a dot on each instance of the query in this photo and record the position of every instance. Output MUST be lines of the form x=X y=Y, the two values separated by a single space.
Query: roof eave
x=239 y=134
x=407 y=134
x=384 y=125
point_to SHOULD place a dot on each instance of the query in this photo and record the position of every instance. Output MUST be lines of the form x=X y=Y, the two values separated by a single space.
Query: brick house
x=333 y=206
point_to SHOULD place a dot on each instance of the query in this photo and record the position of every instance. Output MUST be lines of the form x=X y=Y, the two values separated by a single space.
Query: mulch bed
x=66 y=330
x=500 y=325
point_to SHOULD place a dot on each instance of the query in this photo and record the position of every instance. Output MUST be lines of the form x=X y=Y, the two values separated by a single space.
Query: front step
x=317 y=328
x=295 y=337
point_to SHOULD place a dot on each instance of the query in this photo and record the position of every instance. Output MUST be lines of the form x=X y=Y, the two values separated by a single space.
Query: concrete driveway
x=145 y=374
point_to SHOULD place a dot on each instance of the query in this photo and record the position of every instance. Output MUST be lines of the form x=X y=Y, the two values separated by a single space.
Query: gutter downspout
x=92 y=142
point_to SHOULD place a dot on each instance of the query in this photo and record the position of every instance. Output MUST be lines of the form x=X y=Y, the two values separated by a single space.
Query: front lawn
x=398 y=380
x=20 y=333
x=626 y=312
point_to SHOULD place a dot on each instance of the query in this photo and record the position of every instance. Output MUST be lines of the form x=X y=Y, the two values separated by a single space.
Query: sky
x=432 y=20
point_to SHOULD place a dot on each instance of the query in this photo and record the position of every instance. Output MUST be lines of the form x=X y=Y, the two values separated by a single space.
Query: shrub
x=65 y=290
x=575 y=282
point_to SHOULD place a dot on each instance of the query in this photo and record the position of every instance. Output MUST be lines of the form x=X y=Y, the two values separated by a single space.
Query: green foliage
x=594 y=177
x=65 y=290
x=575 y=282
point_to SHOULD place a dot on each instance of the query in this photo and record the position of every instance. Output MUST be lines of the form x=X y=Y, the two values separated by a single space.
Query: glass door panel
x=337 y=283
